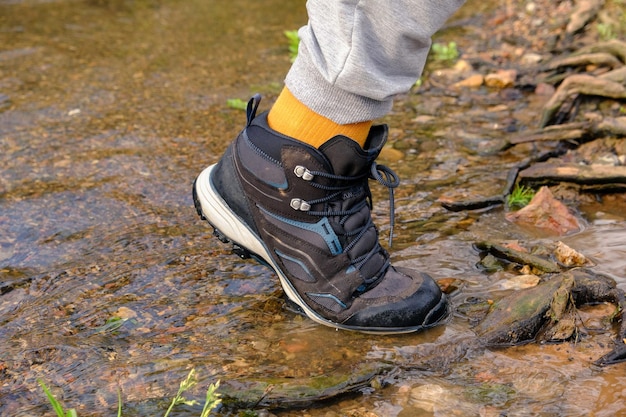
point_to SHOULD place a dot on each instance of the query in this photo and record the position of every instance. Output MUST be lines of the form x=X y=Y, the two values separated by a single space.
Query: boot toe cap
x=425 y=307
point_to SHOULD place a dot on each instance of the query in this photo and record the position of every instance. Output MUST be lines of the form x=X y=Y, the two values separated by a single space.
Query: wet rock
x=519 y=282
x=125 y=313
x=544 y=89
x=272 y=393
x=547 y=312
x=490 y=263
x=568 y=256
x=474 y=309
x=427 y=396
x=517 y=318
x=592 y=177
x=490 y=392
x=501 y=79
x=535 y=261
x=473 y=81
x=546 y=214
x=449 y=285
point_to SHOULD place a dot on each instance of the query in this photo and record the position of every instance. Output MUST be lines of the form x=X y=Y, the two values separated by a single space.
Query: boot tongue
x=346 y=156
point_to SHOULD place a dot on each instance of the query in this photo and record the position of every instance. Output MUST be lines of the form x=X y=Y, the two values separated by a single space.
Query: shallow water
x=109 y=281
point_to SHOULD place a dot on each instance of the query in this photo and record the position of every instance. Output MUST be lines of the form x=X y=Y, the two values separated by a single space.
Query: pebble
x=544 y=89
x=473 y=81
x=531 y=59
x=501 y=79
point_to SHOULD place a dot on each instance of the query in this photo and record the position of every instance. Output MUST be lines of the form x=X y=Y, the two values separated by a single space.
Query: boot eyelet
x=303 y=173
x=299 y=204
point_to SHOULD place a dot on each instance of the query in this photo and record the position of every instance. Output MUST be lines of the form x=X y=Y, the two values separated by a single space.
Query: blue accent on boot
x=303 y=269
x=322 y=228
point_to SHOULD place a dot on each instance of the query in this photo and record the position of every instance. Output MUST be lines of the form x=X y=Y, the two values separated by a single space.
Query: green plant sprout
x=520 y=196
x=112 y=325
x=606 y=31
x=615 y=27
x=445 y=52
x=212 y=399
x=294 y=43
x=236 y=103
x=185 y=384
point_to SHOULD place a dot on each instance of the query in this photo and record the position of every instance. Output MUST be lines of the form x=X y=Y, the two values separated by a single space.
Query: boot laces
x=383 y=175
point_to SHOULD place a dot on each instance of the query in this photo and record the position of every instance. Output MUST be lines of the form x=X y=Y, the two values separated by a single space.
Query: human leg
x=355 y=55
x=305 y=210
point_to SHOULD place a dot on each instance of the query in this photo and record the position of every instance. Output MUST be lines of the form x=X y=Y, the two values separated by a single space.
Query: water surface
x=109 y=281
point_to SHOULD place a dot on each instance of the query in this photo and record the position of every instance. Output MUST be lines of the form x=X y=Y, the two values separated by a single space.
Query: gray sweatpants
x=355 y=55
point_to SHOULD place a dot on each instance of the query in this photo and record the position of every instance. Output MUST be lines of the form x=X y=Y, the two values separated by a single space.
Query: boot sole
x=230 y=228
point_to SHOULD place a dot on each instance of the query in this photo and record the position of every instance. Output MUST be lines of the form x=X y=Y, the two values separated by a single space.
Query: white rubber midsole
x=216 y=211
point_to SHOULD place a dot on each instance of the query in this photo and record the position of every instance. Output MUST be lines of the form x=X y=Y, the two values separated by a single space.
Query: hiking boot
x=305 y=212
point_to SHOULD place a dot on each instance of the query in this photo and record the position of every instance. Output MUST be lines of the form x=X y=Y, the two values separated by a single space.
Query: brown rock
x=472 y=81
x=568 y=256
x=544 y=89
x=501 y=79
x=546 y=214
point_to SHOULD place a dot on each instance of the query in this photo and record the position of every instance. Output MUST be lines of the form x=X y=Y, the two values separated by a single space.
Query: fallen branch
x=522 y=258
x=575 y=173
x=612 y=126
x=578 y=132
x=511 y=179
x=617 y=75
x=565 y=132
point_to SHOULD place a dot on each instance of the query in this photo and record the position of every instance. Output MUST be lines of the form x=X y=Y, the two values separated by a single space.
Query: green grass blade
x=119 y=402
x=56 y=405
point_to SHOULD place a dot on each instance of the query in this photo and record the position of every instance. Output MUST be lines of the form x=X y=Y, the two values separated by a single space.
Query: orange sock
x=292 y=118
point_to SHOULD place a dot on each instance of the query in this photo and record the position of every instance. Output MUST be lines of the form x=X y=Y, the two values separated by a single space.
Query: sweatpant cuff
x=320 y=95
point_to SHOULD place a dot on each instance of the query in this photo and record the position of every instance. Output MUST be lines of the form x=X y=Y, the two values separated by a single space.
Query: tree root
x=614 y=47
x=593 y=58
x=612 y=84
x=581 y=84
x=584 y=13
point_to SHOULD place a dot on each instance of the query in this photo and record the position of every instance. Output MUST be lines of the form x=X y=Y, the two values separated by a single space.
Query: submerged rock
x=276 y=393
x=543 y=313
x=546 y=313
x=518 y=317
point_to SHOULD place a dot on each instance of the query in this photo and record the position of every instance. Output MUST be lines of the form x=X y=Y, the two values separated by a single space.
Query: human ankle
x=292 y=118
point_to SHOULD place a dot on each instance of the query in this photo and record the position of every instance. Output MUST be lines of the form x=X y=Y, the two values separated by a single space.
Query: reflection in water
x=605 y=244
x=108 y=109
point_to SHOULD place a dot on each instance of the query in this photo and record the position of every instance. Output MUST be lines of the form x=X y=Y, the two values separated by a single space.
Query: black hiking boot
x=306 y=213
